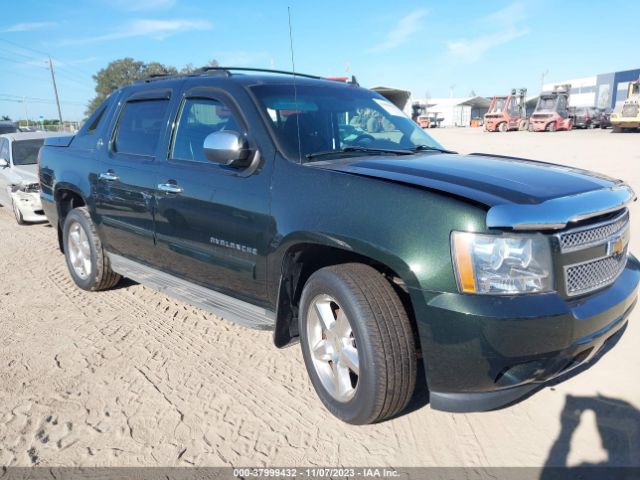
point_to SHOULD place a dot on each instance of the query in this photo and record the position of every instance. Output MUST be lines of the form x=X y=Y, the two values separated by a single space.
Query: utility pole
x=55 y=90
x=544 y=74
x=26 y=113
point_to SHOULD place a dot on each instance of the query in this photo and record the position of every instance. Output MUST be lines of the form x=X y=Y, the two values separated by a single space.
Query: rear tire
x=17 y=213
x=349 y=312
x=86 y=259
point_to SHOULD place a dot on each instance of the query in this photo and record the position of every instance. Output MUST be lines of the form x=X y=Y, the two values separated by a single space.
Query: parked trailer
x=552 y=111
x=507 y=113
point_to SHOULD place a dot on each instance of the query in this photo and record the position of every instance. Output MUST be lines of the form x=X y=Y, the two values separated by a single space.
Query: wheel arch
x=302 y=258
x=67 y=197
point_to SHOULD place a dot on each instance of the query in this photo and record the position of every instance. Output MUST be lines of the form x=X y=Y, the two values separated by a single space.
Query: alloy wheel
x=79 y=251
x=334 y=352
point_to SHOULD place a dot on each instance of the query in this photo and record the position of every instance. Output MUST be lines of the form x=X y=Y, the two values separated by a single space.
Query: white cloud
x=156 y=29
x=402 y=31
x=507 y=20
x=140 y=5
x=28 y=27
x=472 y=50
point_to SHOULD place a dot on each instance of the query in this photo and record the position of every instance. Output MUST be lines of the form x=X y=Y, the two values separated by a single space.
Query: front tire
x=357 y=343
x=551 y=127
x=86 y=259
x=502 y=127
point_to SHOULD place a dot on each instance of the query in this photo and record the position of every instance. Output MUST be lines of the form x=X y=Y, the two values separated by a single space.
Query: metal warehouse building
x=607 y=90
x=454 y=112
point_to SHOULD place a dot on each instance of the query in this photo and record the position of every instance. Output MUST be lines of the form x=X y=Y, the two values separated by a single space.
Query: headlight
x=501 y=264
x=29 y=187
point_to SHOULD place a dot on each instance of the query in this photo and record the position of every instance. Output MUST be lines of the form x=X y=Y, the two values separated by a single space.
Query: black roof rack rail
x=224 y=71
x=257 y=70
x=159 y=76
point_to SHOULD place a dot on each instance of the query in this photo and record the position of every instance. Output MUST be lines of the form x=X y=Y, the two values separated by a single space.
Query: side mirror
x=227 y=148
x=3 y=163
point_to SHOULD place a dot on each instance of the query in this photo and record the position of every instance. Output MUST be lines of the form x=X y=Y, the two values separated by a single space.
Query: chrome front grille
x=585 y=237
x=610 y=240
x=589 y=276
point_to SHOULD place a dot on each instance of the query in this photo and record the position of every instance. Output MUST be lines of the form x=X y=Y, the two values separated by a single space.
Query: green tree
x=127 y=70
x=123 y=72
x=189 y=68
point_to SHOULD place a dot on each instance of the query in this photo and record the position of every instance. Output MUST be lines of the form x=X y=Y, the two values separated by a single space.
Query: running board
x=229 y=308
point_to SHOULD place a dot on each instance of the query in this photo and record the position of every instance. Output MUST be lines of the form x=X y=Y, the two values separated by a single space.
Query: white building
x=583 y=90
x=605 y=90
x=454 y=112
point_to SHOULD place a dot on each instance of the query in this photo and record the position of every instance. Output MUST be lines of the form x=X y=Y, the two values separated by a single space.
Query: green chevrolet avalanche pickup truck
x=318 y=210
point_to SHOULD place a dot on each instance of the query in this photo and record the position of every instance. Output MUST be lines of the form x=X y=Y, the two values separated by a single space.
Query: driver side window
x=198 y=118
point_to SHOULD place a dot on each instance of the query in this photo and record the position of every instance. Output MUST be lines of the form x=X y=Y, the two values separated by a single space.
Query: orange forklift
x=507 y=113
x=552 y=111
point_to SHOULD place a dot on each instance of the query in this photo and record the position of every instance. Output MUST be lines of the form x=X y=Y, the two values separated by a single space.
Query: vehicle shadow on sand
x=618 y=424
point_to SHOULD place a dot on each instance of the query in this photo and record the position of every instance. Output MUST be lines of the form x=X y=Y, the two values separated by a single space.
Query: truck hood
x=490 y=180
x=27 y=173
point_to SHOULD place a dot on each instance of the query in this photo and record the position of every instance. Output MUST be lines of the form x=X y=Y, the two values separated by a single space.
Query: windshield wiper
x=353 y=149
x=423 y=148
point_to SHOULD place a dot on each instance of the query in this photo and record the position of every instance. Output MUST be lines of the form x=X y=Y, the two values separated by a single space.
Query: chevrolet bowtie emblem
x=615 y=246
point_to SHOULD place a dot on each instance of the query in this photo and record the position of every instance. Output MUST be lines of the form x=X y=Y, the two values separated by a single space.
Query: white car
x=19 y=183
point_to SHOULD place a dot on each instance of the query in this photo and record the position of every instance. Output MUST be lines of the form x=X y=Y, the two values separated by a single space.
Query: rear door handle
x=170 y=188
x=110 y=176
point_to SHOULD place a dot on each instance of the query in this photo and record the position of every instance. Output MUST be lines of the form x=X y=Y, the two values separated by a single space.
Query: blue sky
x=424 y=46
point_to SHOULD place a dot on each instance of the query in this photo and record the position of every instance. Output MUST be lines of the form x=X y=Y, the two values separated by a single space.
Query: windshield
x=316 y=119
x=546 y=104
x=498 y=106
x=8 y=128
x=25 y=152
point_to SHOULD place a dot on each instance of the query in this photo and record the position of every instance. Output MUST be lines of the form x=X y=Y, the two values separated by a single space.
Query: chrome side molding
x=557 y=213
x=227 y=307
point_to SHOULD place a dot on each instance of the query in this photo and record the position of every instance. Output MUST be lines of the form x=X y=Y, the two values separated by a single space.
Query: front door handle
x=110 y=176
x=170 y=188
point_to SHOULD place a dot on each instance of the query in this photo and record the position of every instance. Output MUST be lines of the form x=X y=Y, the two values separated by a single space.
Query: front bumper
x=622 y=122
x=29 y=205
x=539 y=125
x=484 y=352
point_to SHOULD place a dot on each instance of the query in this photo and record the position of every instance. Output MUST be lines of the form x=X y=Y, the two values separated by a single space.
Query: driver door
x=212 y=221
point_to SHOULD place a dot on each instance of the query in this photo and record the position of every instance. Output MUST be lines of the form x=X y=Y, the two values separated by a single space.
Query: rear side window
x=140 y=126
x=94 y=120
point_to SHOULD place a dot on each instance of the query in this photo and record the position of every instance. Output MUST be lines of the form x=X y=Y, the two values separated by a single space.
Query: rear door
x=127 y=178
x=214 y=228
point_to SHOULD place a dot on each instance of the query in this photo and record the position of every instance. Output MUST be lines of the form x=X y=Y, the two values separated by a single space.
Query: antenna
x=295 y=89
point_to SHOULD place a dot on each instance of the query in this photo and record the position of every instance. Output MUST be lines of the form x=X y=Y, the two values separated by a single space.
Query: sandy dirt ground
x=129 y=377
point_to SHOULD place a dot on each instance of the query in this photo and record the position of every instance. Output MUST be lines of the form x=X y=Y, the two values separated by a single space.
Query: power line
x=41 y=52
x=43 y=101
